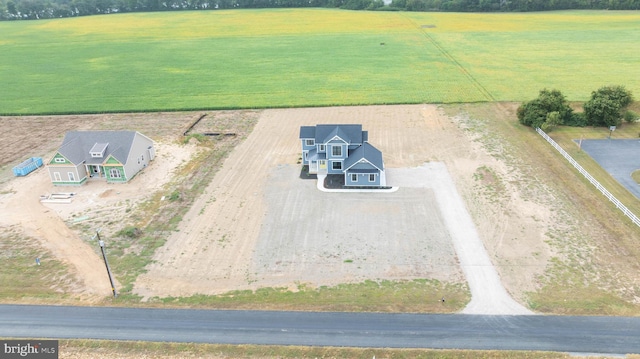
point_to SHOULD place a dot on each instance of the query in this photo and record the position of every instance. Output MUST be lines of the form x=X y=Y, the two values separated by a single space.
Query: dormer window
x=97 y=151
x=321 y=148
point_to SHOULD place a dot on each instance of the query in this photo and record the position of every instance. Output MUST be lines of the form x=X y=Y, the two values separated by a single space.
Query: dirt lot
x=95 y=204
x=217 y=248
x=221 y=245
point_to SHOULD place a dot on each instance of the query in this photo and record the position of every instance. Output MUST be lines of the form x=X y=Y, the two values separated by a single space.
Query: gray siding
x=362 y=179
x=138 y=157
x=78 y=172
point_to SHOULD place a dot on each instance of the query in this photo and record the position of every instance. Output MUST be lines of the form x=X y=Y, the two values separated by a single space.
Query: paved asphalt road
x=618 y=157
x=610 y=335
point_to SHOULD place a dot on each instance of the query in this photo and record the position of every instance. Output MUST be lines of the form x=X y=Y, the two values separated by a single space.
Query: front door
x=323 y=166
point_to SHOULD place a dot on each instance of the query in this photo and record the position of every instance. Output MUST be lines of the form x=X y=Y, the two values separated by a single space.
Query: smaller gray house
x=116 y=156
x=342 y=149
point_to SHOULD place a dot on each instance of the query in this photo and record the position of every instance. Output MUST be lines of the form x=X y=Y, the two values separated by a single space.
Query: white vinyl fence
x=593 y=181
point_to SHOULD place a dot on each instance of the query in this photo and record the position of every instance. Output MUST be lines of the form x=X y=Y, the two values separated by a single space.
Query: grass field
x=309 y=57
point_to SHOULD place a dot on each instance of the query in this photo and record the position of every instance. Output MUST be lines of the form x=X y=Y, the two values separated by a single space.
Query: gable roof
x=77 y=145
x=367 y=153
x=351 y=134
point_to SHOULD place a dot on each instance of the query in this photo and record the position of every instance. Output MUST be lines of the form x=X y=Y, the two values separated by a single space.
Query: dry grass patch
x=80 y=349
x=636 y=176
x=21 y=279
x=593 y=262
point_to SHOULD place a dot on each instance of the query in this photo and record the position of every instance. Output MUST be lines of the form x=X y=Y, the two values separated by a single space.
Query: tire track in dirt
x=214 y=244
x=39 y=222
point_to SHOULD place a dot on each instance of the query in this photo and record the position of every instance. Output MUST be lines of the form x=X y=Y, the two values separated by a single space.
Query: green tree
x=607 y=106
x=11 y=8
x=416 y=5
x=553 y=120
x=534 y=113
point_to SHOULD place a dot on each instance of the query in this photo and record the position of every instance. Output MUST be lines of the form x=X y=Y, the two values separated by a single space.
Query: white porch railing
x=593 y=181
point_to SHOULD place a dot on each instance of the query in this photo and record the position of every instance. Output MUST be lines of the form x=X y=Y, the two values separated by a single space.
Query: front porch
x=318 y=167
x=110 y=173
x=94 y=171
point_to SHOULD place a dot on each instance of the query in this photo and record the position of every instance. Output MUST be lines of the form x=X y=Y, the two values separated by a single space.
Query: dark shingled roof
x=366 y=152
x=352 y=134
x=77 y=145
x=308 y=132
x=349 y=133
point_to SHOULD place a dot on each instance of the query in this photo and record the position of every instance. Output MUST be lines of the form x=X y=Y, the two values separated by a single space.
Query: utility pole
x=106 y=263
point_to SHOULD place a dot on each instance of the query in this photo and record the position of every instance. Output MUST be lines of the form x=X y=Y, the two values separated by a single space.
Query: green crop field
x=309 y=57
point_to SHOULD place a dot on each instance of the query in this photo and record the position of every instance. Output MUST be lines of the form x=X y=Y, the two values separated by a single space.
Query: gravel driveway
x=328 y=238
x=422 y=230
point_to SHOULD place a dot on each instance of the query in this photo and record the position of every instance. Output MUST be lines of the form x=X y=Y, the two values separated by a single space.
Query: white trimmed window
x=310 y=142
x=336 y=151
x=72 y=178
x=336 y=165
x=114 y=173
x=372 y=177
x=56 y=177
x=322 y=148
x=354 y=177
x=59 y=160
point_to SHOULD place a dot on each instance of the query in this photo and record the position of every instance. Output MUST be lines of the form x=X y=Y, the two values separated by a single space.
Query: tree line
x=48 y=9
x=607 y=106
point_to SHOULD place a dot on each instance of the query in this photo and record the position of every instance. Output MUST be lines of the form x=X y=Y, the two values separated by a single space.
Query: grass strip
x=124 y=349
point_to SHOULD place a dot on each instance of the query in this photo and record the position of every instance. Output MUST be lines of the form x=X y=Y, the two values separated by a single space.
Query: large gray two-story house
x=342 y=149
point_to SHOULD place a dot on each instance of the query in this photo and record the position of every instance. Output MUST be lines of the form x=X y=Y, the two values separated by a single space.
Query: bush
x=577 y=119
x=631 y=116
x=174 y=196
x=552 y=121
x=130 y=232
